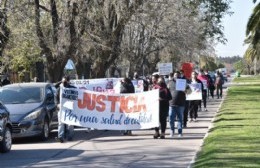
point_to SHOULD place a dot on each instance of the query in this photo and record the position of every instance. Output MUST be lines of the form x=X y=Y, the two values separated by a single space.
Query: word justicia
x=99 y=102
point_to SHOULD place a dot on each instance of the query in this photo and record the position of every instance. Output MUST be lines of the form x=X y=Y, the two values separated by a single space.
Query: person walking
x=177 y=106
x=187 y=102
x=219 y=84
x=64 y=131
x=127 y=87
x=211 y=85
x=193 y=109
x=145 y=82
x=205 y=84
x=164 y=98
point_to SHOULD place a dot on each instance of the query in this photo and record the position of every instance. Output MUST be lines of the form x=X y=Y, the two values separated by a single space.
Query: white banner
x=108 y=85
x=196 y=92
x=112 y=112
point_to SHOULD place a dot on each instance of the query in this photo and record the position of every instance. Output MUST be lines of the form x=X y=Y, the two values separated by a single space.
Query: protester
x=218 y=83
x=6 y=81
x=203 y=77
x=211 y=85
x=187 y=103
x=145 y=82
x=127 y=87
x=177 y=106
x=164 y=97
x=64 y=131
x=194 y=103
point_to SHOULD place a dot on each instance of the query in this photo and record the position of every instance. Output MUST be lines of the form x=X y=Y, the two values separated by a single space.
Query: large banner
x=196 y=92
x=107 y=85
x=110 y=111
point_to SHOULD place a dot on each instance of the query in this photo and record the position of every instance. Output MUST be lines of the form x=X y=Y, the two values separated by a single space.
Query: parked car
x=32 y=108
x=5 y=130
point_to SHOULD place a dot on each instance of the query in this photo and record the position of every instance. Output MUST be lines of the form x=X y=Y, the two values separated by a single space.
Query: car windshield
x=20 y=95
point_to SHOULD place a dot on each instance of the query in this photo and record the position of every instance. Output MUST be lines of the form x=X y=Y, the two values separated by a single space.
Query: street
x=111 y=149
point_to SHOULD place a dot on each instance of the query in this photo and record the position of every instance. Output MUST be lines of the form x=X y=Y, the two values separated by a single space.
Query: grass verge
x=234 y=141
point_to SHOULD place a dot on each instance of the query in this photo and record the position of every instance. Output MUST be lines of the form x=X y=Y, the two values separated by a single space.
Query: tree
x=239 y=66
x=253 y=28
x=4 y=30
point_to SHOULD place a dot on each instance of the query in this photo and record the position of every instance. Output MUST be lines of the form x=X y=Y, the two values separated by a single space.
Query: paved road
x=111 y=149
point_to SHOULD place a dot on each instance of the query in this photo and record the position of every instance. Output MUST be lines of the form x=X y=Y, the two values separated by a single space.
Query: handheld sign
x=165 y=68
x=181 y=84
x=196 y=92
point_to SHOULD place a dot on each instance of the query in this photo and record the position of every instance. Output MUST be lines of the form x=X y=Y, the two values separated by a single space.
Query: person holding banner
x=164 y=98
x=63 y=129
x=127 y=87
x=177 y=104
x=194 y=103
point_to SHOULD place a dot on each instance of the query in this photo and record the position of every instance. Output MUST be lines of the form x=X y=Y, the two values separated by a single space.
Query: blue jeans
x=176 y=110
x=64 y=130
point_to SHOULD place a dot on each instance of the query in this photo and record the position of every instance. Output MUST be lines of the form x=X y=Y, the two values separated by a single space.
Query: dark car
x=5 y=130
x=32 y=108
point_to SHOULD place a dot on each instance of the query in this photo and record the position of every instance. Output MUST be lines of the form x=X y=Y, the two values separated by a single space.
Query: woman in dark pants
x=194 y=104
x=164 y=97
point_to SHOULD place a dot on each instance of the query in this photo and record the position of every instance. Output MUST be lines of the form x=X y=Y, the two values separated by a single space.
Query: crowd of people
x=172 y=103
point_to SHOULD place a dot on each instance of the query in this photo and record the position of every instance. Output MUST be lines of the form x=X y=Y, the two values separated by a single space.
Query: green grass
x=253 y=79
x=234 y=141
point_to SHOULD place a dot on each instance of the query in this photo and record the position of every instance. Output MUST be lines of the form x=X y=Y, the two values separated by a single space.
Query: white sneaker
x=180 y=135
x=205 y=109
x=191 y=119
x=171 y=134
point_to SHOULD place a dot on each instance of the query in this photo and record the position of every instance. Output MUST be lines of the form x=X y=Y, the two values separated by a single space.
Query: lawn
x=234 y=141
x=252 y=79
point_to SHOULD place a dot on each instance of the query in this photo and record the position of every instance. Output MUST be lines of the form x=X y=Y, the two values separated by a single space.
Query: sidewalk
x=111 y=149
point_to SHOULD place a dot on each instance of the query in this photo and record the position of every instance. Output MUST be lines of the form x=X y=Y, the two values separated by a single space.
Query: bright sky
x=235 y=29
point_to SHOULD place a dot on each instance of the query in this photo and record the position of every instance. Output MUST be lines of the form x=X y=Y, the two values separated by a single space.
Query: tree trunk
x=40 y=71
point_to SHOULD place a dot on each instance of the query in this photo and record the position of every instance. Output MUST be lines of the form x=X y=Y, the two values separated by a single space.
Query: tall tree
x=253 y=28
x=4 y=30
x=63 y=43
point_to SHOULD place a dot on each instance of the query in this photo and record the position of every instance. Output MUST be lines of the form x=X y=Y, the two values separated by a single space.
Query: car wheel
x=6 y=144
x=45 y=130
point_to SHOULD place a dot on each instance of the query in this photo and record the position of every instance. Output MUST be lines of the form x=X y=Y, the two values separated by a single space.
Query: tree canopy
x=102 y=35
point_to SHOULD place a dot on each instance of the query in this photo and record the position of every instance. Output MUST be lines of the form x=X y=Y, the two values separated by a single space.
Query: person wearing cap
x=64 y=131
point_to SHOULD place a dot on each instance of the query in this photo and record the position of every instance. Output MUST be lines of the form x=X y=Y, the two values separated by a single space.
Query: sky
x=235 y=29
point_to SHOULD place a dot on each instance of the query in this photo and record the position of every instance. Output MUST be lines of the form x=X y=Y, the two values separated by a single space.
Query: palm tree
x=251 y=55
x=253 y=27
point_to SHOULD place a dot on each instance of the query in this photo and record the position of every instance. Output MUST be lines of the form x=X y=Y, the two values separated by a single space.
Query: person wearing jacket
x=127 y=87
x=64 y=131
x=164 y=97
x=194 y=104
x=177 y=106
x=203 y=78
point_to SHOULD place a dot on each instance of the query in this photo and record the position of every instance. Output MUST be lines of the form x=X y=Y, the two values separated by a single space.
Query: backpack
x=219 y=80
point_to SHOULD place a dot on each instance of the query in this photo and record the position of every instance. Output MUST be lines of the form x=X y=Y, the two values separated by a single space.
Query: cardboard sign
x=196 y=92
x=165 y=68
